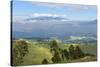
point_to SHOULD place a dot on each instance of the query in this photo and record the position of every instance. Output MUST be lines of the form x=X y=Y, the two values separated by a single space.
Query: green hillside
x=36 y=52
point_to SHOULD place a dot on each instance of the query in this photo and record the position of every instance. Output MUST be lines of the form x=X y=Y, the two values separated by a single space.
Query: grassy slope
x=37 y=52
x=91 y=49
x=36 y=55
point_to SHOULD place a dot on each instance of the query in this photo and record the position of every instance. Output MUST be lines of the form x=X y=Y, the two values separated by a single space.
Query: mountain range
x=48 y=26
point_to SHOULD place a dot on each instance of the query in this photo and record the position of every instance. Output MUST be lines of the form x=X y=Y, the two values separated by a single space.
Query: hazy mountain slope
x=53 y=27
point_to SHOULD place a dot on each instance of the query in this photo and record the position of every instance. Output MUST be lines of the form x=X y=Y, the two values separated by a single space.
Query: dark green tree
x=45 y=61
x=71 y=52
x=56 y=58
x=56 y=52
x=15 y=57
x=79 y=53
x=19 y=51
x=54 y=44
x=54 y=47
x=66 y=54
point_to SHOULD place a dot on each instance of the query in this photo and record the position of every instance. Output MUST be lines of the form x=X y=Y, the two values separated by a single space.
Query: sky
x=70 y=11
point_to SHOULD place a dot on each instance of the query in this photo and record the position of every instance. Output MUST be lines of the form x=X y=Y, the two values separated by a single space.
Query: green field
x=38 y=51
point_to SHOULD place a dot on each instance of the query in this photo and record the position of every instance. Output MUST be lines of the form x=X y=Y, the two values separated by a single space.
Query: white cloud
x=23 y=19
x=77 y=37
x=47 y=14
x=19 y=19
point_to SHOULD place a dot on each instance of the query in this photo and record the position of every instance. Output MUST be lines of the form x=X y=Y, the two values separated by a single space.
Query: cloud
x=47 y=14
x=77 y=37
x=38 y=17
x=20 y=19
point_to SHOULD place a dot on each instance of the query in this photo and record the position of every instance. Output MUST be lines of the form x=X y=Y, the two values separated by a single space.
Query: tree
x=15 y=57
x=79 y=53
x=71 y=52
x=55 y=52
x=54 y=44
x=56 y=58
x=45 y=61
x=66 y=54
x=19 y=51
x=54 y=47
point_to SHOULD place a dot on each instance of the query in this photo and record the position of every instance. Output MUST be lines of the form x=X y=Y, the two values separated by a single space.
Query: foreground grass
x=38 y=52
x=36 y=55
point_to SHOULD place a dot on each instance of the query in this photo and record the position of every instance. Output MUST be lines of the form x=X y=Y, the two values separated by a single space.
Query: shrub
x=45 y=61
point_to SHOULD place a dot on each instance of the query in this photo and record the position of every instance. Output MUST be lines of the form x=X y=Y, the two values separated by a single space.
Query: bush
x=45 y=61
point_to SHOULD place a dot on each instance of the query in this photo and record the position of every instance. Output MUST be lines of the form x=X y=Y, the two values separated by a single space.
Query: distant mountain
x=48 y=18
x=90 y=22
x=47 y=26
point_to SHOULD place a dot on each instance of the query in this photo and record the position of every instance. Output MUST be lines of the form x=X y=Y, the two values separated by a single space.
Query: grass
x=91 y=49
x=36 y=55
x=38 y=52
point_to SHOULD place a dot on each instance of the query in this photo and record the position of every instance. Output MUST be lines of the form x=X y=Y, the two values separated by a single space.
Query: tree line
x=59 y=55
